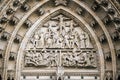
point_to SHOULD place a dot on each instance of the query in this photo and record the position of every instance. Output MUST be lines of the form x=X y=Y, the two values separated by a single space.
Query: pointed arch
x=111 y=46
x=14 y=33
x=55 y=11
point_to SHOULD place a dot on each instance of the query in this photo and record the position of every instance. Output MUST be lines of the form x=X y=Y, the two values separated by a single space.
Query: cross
x=61 y=24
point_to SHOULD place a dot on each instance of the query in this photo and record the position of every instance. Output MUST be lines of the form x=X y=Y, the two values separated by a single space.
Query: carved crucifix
x=61 y=23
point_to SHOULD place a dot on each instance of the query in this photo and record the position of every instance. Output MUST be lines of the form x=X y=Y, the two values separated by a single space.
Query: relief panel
x=60 y=42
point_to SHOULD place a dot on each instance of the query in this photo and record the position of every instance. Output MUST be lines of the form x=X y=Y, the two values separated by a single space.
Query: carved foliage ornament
x=59 y=42
x=60 y=2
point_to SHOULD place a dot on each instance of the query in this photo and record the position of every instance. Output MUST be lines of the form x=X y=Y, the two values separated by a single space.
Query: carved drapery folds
x=60 y=42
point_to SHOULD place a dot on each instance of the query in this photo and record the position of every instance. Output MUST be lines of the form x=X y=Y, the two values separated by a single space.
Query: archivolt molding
x=7 y=4
x=15 y=32
x=3 y=6
x=38 y=23
x=106 y=33
x=112 y=49
x=116 y=5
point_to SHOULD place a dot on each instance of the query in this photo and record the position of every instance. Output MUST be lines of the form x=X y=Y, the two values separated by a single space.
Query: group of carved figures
x=59 y=37
x=68 y=59
x=79 y=59
x=44 y=58
x=60 y=33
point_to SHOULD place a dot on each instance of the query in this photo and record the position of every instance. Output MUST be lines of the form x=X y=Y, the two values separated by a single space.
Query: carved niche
x=60 y=42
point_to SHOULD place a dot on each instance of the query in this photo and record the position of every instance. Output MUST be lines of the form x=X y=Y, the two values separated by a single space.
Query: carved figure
x=77 y=59
x=41 y=40
x=82 y=40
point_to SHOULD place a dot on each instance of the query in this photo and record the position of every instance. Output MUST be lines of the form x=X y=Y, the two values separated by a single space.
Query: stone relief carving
x=42 y=58
x=60 y=42
x=60 y=73
x=79 y=59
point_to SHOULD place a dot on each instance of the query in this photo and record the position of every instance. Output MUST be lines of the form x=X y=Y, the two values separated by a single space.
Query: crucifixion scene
x=60 y=42
x=59 y=39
